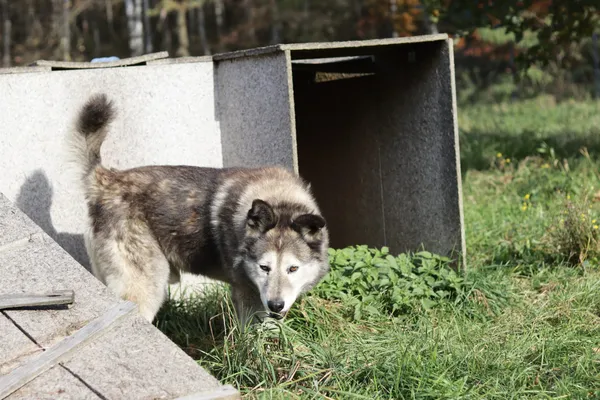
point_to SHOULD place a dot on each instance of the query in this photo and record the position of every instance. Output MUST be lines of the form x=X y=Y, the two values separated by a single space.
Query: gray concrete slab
x=255 y=113
x=14 y=226
x=15 y=346
x=42 y=266
x=56 y=384
x=39 y=265
x=226 y=392
x=134 y=357
x=421 y=165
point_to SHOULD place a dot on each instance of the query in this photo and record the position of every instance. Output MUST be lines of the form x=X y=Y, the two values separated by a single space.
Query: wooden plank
x=56 y=298
x=62 y=350
x=226 y=392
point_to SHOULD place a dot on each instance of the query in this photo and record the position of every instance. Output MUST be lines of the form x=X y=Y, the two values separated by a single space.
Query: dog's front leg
x=248 y=306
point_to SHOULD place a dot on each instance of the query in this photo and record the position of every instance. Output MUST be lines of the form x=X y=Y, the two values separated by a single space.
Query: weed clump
x=574 y=233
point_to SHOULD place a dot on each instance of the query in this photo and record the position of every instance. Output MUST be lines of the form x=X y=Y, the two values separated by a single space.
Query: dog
x=258 y=229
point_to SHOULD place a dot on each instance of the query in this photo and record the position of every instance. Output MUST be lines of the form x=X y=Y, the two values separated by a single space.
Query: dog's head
x=285 y=252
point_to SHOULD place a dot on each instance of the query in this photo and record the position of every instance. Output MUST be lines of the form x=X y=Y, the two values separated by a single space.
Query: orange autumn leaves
x=407 y=15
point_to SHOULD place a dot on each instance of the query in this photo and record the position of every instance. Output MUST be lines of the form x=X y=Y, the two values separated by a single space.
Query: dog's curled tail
x=91 y=128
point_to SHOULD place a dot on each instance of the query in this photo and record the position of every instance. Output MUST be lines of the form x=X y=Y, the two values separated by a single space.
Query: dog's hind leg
x=134 y=269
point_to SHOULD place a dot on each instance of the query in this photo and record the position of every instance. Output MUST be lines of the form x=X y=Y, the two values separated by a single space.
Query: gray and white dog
x=258 y=229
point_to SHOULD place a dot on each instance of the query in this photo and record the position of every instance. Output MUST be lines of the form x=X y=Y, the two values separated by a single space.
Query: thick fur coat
x=259 y=229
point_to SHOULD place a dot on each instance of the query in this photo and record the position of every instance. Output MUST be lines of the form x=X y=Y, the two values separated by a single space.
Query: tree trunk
x=55 y=34
x=202 y=30
x=219 y=10
x=66 y=32
x=431 y=26
x=357 y=9
x=109 y=13
x=430 y=21
x=393 y=12
x=147 y=28
x=29 y=21
x=596 y=58
x=6 y=34
x=276 y=23
x=515 y=74
x=134 y=10
x=166 y=31
x=182 y=33
x=250 y=21
x=97 y=42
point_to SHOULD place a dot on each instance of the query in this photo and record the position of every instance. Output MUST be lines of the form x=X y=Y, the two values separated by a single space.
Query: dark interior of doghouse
x=376 y=140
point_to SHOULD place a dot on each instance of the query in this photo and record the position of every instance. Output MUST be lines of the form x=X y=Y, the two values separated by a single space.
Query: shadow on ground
x=35 y=200
x=477 y=148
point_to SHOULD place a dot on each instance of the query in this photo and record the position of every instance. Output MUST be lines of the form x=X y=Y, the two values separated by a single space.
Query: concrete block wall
x=254 y=111
x=377 y=139
x=166 y=115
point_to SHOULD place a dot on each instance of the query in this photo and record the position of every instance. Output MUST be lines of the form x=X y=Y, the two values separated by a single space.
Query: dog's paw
x=271 y=325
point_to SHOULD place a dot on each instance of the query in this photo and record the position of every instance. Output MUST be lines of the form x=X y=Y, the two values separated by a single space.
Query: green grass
x=523 y=323
x=517 y=130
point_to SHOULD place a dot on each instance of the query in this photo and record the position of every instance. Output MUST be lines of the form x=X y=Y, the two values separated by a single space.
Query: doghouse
x=370 y=124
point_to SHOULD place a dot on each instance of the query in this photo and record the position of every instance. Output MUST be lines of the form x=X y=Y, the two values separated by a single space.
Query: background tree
x=556 y=24
x=546 y=44
x=6 y=34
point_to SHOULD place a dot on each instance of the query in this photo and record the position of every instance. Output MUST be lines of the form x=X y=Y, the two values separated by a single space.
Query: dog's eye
x=265 y=268
x=293 y=269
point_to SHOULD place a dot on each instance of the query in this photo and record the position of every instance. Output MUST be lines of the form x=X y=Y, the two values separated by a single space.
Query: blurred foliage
x=504 y=49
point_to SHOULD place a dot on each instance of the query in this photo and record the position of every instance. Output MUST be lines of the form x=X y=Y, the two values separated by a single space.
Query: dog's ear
x=261 y=216
x=309 y=226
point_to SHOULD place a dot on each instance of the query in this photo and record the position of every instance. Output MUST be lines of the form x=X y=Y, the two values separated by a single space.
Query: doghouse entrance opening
x=375 y=138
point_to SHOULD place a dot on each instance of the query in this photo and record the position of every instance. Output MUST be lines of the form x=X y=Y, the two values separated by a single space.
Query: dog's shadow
x=35 y=200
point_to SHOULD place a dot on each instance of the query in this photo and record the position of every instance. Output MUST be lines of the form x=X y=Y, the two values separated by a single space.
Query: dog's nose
x=276 y=305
